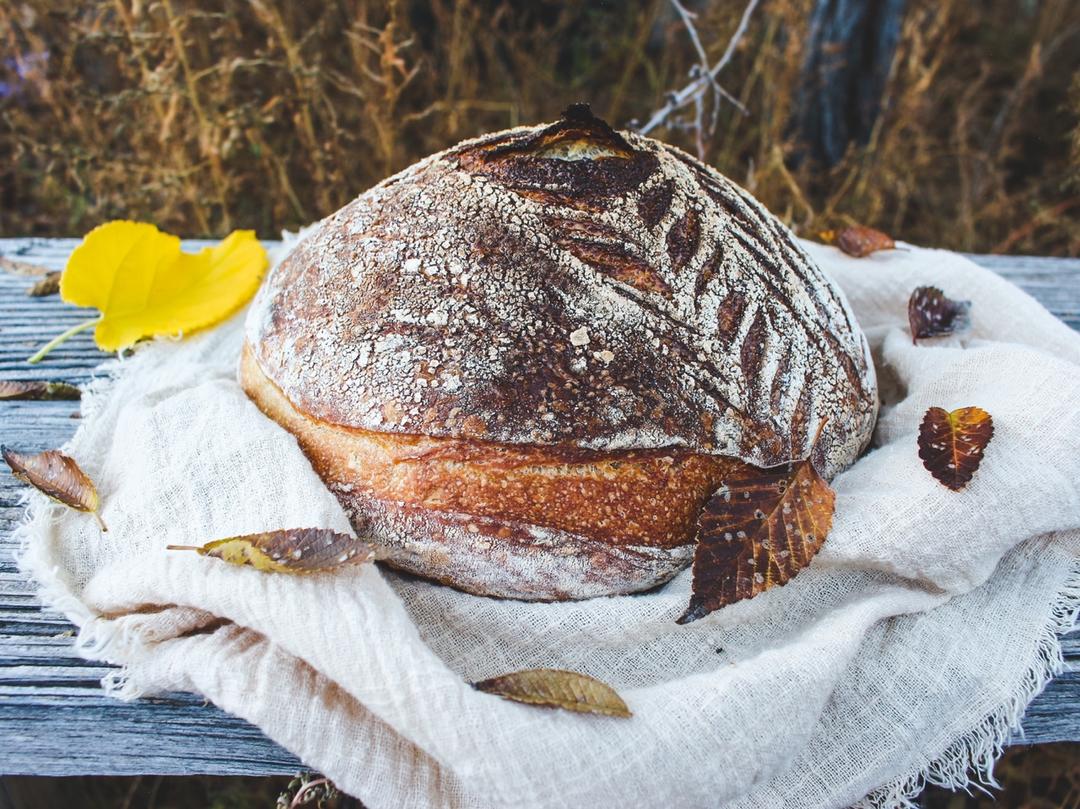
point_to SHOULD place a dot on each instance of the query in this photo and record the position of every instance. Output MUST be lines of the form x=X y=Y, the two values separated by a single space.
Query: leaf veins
x=556 y=688
x=951 y=444
x=292 y=550
x=931 y=314
x=757 y=533
x=57 y=476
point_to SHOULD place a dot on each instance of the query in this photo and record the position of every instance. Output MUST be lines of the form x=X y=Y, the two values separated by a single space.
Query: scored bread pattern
x=568 y=285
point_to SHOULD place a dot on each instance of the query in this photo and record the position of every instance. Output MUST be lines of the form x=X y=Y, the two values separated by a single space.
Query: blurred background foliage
x=957 y=122
x=1041 y=777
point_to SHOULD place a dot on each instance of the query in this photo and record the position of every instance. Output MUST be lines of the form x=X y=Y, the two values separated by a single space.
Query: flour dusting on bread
x=529 y=288
x=525 y=363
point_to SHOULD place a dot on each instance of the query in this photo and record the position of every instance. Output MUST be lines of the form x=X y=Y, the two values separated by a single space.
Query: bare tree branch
x=703 y=81
x=688 y=18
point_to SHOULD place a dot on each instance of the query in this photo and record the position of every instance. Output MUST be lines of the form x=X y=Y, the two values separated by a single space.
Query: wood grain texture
x=54 y=717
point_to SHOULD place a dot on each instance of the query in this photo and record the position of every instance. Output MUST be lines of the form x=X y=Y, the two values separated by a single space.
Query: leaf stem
x=58 y=339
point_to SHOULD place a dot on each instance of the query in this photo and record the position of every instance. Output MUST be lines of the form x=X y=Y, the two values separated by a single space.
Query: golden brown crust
x=524 y=364
x=550 y=507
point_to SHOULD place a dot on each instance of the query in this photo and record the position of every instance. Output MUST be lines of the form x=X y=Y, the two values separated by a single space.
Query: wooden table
x=54 y=718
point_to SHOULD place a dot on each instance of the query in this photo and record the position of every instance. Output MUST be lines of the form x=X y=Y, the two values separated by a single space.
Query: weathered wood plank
x=1054 y=282
x=54 y=718
x=79 y=732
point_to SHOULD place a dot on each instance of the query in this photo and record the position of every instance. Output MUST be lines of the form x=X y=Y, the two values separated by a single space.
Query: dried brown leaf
x=861 y=241
x=58 y=476
x=37 y=389
x=951 y=444
x=22 y=267
x=291 y=550
x=931 y=314
x=556 y=688
x=757 y=533
x=47 y=285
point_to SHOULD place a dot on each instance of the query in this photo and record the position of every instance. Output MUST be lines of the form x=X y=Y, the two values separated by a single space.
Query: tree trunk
x=850 y=50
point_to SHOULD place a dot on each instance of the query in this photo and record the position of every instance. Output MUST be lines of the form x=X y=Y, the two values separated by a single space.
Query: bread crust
x=524 y=363
x=534 y=523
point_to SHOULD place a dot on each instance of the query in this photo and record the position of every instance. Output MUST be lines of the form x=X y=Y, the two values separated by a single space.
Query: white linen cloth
x=906 y=651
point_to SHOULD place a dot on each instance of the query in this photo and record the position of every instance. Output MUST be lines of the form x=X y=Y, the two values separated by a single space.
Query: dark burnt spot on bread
x=654 y=202
x=709 y=270
x=729 y=315
x=619 y=264
x=585 y=180
x=577 y=129
x=578 y=159
x=752 y=350
x=566 y=229
x=683 y=239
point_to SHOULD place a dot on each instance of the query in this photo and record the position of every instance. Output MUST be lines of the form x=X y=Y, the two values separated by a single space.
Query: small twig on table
x=300 y=798
x=21 y=267
x=703 y=80
x=58 y=339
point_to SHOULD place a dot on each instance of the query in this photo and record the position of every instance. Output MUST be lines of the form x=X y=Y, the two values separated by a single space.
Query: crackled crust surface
x=568 y=286
x=508 y=520
x=524 y=364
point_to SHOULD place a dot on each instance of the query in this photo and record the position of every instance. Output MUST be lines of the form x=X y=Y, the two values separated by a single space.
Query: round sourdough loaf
x=524 y=364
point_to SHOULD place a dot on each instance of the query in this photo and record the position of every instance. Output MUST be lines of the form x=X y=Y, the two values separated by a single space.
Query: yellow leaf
x=144 y=285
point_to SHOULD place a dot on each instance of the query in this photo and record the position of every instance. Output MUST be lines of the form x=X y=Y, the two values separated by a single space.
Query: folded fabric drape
x=905 y=652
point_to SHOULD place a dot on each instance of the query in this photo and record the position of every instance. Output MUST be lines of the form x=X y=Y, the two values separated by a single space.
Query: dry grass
x=205 y=116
